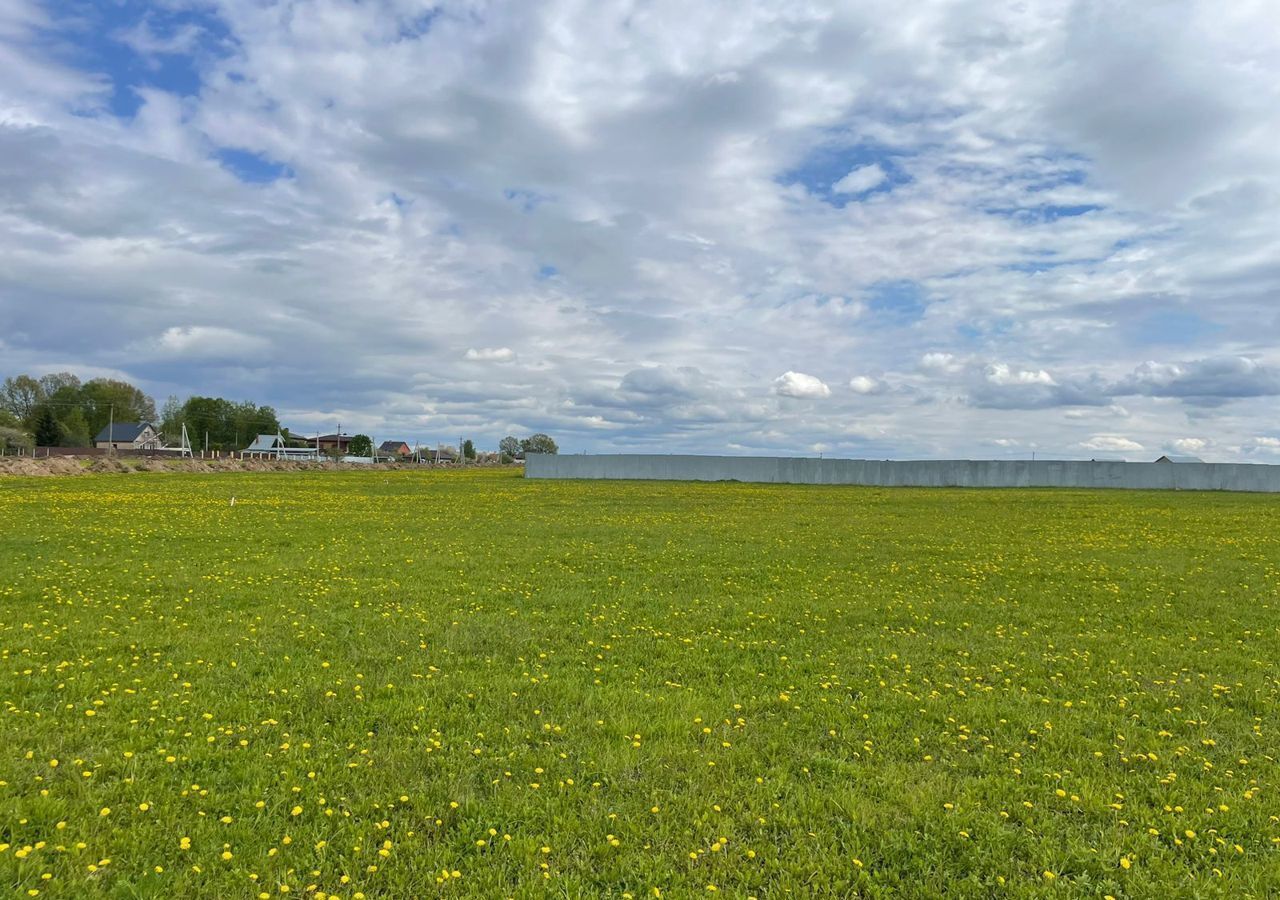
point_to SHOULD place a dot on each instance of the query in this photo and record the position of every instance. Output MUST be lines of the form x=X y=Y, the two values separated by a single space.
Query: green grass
x=597 y=689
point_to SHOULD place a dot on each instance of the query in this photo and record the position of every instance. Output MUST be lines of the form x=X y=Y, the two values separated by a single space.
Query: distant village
x=58 y=414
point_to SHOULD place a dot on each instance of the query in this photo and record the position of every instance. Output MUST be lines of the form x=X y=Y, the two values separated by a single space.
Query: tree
x=13 y=438
x=468 y=449
x=539 y=443
x=171 y=419
x=509 y=446
x=105 y=399
x=230 y=426
x=21 y=395
x=75 y=430
x=59 y=381
x=361 y=445
x=47 y=431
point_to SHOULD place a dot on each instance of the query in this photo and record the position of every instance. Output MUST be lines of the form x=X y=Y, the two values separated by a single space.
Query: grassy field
x=471 y=685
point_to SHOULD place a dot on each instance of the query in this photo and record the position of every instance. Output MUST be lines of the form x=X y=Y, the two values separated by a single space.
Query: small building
x=128 y=436
x=274 y=446
x=331 y=443
x=441 y=455
x=1173 y=458
x=398 y=449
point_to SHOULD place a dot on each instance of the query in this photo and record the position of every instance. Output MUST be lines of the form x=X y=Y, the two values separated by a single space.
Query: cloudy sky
x=922 y=229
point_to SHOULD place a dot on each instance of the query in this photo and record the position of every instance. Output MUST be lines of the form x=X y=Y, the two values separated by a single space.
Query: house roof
x=1173 y=458
x=122 y=431
x=333 y=437
x=266 y=442
x=389 y=446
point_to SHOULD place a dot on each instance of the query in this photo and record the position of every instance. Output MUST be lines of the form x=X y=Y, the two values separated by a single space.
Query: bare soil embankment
x=72 y=465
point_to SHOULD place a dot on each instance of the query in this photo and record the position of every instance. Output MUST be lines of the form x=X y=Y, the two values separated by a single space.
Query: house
x=263 y=445
x=1170 y=458
x=340 y=443
x=128 y=436
x=395 y=448
x=275 y=446
x=440 y=455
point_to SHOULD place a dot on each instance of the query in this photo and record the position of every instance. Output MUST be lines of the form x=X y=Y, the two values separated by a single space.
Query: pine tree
x=47 y=431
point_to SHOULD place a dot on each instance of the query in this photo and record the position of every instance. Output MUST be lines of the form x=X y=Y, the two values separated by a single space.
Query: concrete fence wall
x=923 y=473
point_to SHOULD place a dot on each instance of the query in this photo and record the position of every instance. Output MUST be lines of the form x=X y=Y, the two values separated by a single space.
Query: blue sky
x=948 y=229
x=135 y=45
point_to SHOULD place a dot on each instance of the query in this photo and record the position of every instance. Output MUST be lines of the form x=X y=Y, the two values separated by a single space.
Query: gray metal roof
x=122 y=431
x=1170 y=457
x=266 y=442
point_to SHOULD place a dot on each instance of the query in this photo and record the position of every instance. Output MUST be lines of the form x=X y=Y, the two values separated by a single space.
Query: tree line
x=510 y=448
x=60 y=410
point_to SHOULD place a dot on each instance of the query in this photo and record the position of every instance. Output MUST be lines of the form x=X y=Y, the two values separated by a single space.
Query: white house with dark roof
x=128 y=436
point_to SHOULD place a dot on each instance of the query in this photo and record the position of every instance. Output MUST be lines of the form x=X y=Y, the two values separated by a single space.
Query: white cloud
x=860 y=180
x=938 y=361
x=864 y=384
x=1002 y=374
x=1110 y=443
x=800 y=385
x=1190 y=445
x=491 y=354
x=205 y=342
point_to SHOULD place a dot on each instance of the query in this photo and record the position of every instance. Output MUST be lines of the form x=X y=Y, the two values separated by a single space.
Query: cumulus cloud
x=999 y=385
x=938 y=361
x=800 y=385
x=1262 y=444
x=1205 y=381
x=491 y=354
x=1003 y=375
x=1191 y=445
x=860 y=180
x=1110 y=443
x=864 y=384
x=663 y=384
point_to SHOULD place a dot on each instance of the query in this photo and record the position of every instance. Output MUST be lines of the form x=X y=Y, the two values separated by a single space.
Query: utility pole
x=111 y=426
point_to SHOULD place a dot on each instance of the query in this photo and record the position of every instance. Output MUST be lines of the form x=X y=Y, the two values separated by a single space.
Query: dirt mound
x=25 y=465
x=114 y=465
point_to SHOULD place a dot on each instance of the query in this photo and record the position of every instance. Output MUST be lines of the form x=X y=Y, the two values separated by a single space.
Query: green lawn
x=467 y=684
